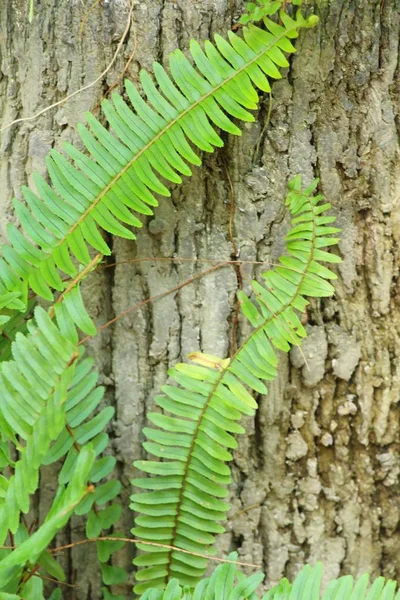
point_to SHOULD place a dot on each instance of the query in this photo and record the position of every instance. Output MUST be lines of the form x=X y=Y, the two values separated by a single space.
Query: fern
x=183 y=505
x=307 y=586
x=227 y=583
x=48 y=389
x=150 y=144
x=256 y=11
x=9 y=301
x=48 y=395
x=29 y=551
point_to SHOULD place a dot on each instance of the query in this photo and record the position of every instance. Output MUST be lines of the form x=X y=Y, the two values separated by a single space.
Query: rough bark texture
x=317 y=476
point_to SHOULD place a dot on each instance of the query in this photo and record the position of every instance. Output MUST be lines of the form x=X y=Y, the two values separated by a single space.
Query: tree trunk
x=317 y=475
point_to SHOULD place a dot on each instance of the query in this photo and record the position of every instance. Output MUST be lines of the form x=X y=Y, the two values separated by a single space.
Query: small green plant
x=49 y=409
x=257 y=11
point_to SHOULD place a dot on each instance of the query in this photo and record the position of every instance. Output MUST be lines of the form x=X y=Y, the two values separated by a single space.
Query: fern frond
x=183 y=505
x=33 y=390
x=29 y=551
x=284 y=288
x=150 y=144
x=82 y=428
x=307 y=586
x=226 y=583
x=48 y=395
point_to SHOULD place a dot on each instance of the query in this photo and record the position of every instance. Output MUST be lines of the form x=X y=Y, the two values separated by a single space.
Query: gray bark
x=317 y=475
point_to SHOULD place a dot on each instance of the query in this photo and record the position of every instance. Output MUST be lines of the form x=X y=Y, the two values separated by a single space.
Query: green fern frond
x=150 y=144
x=182 y=506
x=307 y=586
x=84 y=398
x=48 y=395
x=29 y=551
x=298 y=275
x=228 y=583
x=33 y=390
x=257 y=11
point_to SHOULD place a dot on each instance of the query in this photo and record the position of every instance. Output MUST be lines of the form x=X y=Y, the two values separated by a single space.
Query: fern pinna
x=150 y=144
x=183 y=503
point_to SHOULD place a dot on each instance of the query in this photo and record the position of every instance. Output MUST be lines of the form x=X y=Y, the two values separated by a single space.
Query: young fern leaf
x=183 y=502
x=149 y=144
x=256 y=12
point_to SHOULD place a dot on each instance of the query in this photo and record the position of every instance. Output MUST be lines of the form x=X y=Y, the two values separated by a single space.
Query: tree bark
x=317 y=475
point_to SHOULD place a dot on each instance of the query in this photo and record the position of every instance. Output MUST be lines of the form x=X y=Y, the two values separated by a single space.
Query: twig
x=234 y=255
x=181 y=259
x=153 y=298
x=266 y=123
x=59 y=549
x=166 y=259
x=137 y=541
x=246 y=509
x=46 y=578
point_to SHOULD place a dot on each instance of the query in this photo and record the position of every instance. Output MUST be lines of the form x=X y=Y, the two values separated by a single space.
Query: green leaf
x=107 y=547
x=51 y=566
x=113 y=575
x=11 y=566
x=74 y=304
